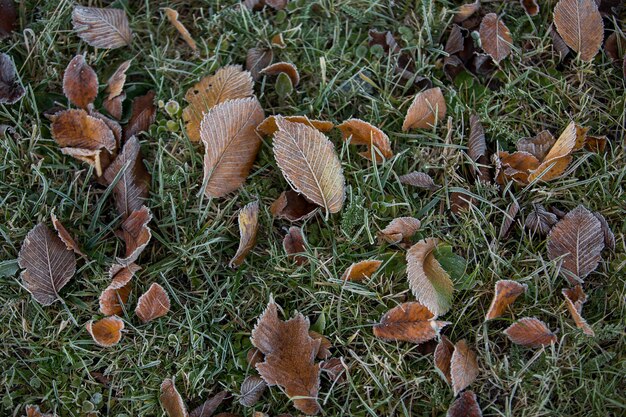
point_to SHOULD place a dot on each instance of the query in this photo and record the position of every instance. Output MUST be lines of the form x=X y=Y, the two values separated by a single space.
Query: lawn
x=48 y=358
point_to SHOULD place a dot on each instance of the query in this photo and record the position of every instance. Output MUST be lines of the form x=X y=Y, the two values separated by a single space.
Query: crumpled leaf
x=559 y=156
x=47 y=262
x=574 y=299
x=294 y=243
x=530 y=332
x=409 y=322
x=172 y=16
x=80 y=82
x=136 y=234
x=359 y=271
x=268 y=126
x=516 y=166
x=257 y=59
x=443 y=356
x=538 y=146
x=153 y=304
x=477 y=148
x=359 y=132
x=540 y=220
x=171 y=401
x=506 y=292
x=209 y=406
x=102 y=28
x=10 y=89
x=283 y=67
x=293 y=206
x=289 y=357
x=427 y=108
x=465 y=406
x=495 y=37
x=252 y=389
x=419 y=179
x=113 y=298
x=115 y=90
x=248 y=219
x=142 y=115
x=463 y=367
x=65 y=236
x=400 y=230
x=8 y=18
x=106 y=332
x=580 y=25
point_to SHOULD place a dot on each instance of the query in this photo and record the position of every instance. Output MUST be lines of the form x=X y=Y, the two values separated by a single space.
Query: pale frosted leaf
x=540 y=220
x=495 y=37
x=538 y=146
x=530 y=332
x=103 y=28
x=10 y=89
x=251 y=390
x=463 y=367
x=410 y=322
x=257 y=59
x=419 y=179
x=153 y=304
x=580 y=25
x=248 y=219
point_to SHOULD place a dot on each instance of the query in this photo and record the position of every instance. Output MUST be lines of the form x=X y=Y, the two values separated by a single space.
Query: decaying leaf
x=538 y=146
x=335 y=369
x=325 y=345
x=461 y=202
x=427 y=108
x=10 y=89
x=577 y=239
x=47 y=262
x=289 y=357
x=310 y=164
x=465 y=11
x=596 y=144
x=65 y=236
x=113 y=298
x=80 y=82
x=400 y=230
x=251 y=390
x=530 y=332
x=359 y=132
x=580 y=25
x=142 y=115
x=463 y=367
x=294 y=243
x=115 y=91
x=506 y=292
x=172 y=16
x=516 y=166
x=559 y=156
x=228 y=132
x=283 y=67
x=465 y=406
x=558 y=44
x=575 y=298
x=530 y=6
x=102 y=28
x=495 y=37
x=430 y=283
x=443 y=356
x=293 y=206
x=153 y=304
x=268 y=126
x=254 y=356
x=409 y=322
x=257 y=59
x=419 y=179
x=609 y=237
x=33 y=410
x=359 y=271
x=540 y=220
x=248 y=219
x=106 y=332
x=136 y=234
x=8 y=18
x=228 y=83
x=171 y=401
x=477 y=148
x=207 y=408
x=509 y=218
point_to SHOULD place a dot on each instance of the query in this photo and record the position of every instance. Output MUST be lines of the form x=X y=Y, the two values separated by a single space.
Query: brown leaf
x=461 y=202
x=477 y=148
x=358 y=132
x=466 y=11
x=10 y=89
x=113 y=298
x=456 y=40
x=516 y=166
x=248 y=219
x=289 y=357
x=427 y=108
x=336 y=370
x=48 y=264
x=558 y=44
x=231 y=144
x=115 y=128
x=293 y=206
x=400 y=230
x=530 y=6
x=506 y=292
x=33 y=410
x=443 y=356
x=310 y=164
x=495 y=37
x=463 y=367
x=325 y=345
x=153 y=304
x=465 y=406
x=577 y=239
x=361 y=270
x=115 y=85
x=252 y=389
x=429 y=282
x=142 y=115
x=80 y=82
x=580 y=25
x=559 y=156
x=575 y=298
x=540 y=220
x=609 y=237
x=596 y=144
x=209 y=406
x=254 y=356
x=65 y=236
x=257 y=59
x=228 y=83
x=172 y=16
x=279 y=41
x=283 y=67
x=509 y=218
x=538 y=146
x=530 y=332
x=294 y=243
x=268 y=126
x=171 y=401
x=114 y=106
x=8 y=18
x=102 y=28
x=419 y=179
x=106 y=332
x=409 y=322
x=277 y=4
x=136 y=234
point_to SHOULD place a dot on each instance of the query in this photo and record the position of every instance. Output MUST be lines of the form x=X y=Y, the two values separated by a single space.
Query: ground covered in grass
x=48 y=358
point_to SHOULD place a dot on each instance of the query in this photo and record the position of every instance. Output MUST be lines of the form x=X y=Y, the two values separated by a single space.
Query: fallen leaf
x=463 y=367
x=248 y=219
x=516 y=166
x=419 y=179
x=80 y=82
x=335 y=369
x=268 y=126
x=115 y=127
x=228 y=83
x=172 y=16
x=580 y=25
x=283 y=67
x=530 y=6
x=461 y=202
x=609 y=237
x=294 y=243
x=8 y=18
x=540 y=221
x=443 y=356
x=102 y=28
x=136 y=234
x=106 y=332
x=277 y=4
x=171 y=401
x=142 y=115
x=577 y=239
x=456 y=40
x=495 y=37
x=429 y=282
x=153 y=304
x=209 y=406
x=477 y=148
x=231 y=144
x=575 y=298
x=325 y=345
x=559 y=156
x=538 y=146
x=310 y=164
x=409 y=322
x=278 y=41
x=359 y=271
x=252 y=389
x=115 y=83
x=530 y=332
x=358 y=132
x=33 y=410
x=65 y=236
x=113 y=298
x=509 y=218
x=427 y=108
x=465 y=11
x=293 y=206
x=506 y=292
x=465 y=406
x=257 y=59
x=47 y=264
x=596 y=144
x=558 y=44
x=400 y=230
x=289 y=357
x=254 y=356
x=10 y=89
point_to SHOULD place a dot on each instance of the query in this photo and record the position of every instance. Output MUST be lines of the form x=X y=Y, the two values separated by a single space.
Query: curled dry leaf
x=596 y=144
x=153 y=304
x=10 y=89
x=538 y=146
x=359 y=132
x=419 y=179
x=609 y=237
x=335 y=369
x=231 y=144
x=113 y=298
x=251 y=390
x=509 y=218
x=115 y=94
x=400 y=230
x=530 y=6
x=172 y=16
x=361 y=270
x=465 y=406
x=80 y=82
x=409 y=322
x=228 y=83
x=310 y=164
x=294 y=243
x=106 y=332
x=142 y=115
x=257 y=59
x=65 y=236
x=48 y=264
x=466 y=11
x=530 y=332
x=443 y=356
x=283 y=67
x=559 y=156
x=478 y=148
x=289 y=357
x=209 y=406
x=575 y=298
x=580 y=25
x=427 y=108
x=268 y=126
x=495 y=37
x=325 y=345
x=540 y=220
x=136 y=234
x=516 y=166
x=102 y=28
x=248 y=219
x=506 y=292
x=33 y=410
x=292 y=206
x=171 y=401
x=577 y=239
x=463 y=367
x=430 y=283
x=8 y=18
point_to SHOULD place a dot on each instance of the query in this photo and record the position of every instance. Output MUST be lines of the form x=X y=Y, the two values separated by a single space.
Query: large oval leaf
x=102 y=28
x=580 y=25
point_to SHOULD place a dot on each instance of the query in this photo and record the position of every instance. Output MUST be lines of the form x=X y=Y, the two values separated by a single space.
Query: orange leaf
x=580 y=25
x=559 y=156
x=495 y=37
x=153 y=304
x=77 y=129
x=65 y=236
x=506 y=292
x=575 y=298
x=361 y=270
x=115 y=84
x=463 y=367
x=171 y=400
x=293 y=206
x=172 y=16
x=268 y=126
x=516 y=166
x=286 y=67
x=80 y=82
x=427 y=108
x=410 y=322
x=358 y=132
x=248 y=219
x=530 y=332
x=113 y=298
x=400 y=230
x=465 y=406
x=33 y=410
x=107 y=331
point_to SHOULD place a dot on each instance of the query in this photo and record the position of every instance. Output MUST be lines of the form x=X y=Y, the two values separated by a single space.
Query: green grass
x=48 y=358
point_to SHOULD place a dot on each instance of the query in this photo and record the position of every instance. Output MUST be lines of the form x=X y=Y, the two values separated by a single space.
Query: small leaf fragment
x=443 y=356
x=419 y=179
x=268 y=126
x=136 y=234
x=10 y=89
x=65 y=236
x=293 y=206
x=171 y=401
x=294 y=243
x=575 y=298
x=172 y=16
x=283 y=67
x=359 y=132
x=538 y=146
x=113 y=298
x=465 y=406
